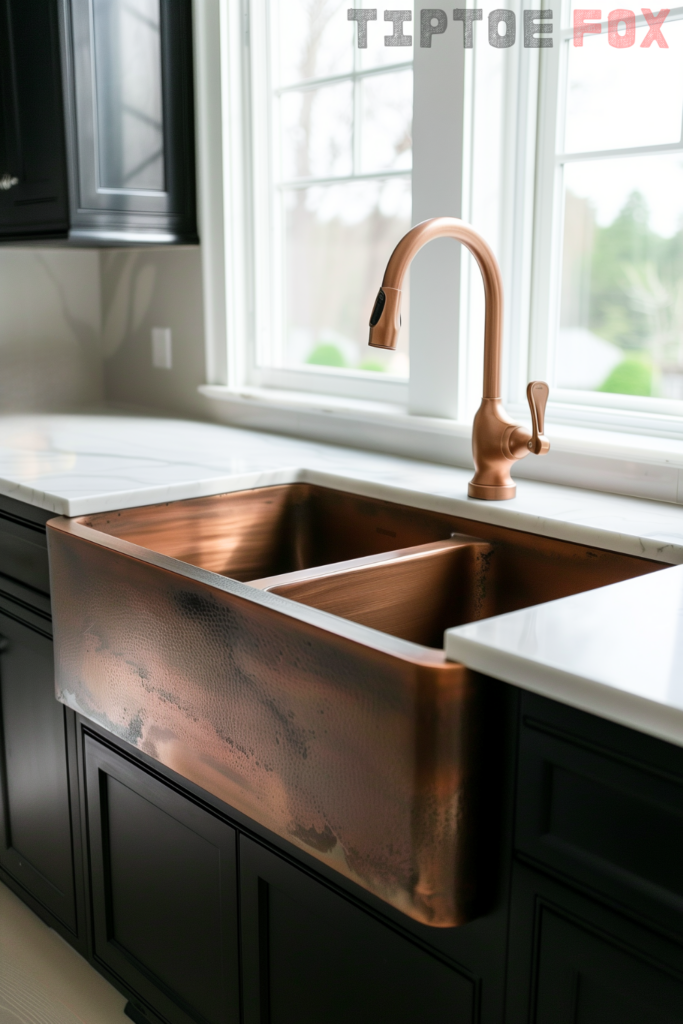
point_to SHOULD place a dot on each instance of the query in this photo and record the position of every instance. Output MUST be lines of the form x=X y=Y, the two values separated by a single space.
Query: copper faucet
x=497 y=442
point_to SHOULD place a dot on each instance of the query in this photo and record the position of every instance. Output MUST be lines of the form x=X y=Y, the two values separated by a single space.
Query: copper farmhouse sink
x=282 y=648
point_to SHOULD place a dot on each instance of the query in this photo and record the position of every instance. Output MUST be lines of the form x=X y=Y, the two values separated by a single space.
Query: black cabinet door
x=602 y=805
x=131 y=121
x=36 y=791
x=573 y=961
x=583 y=978
x=33 y=178
x=23 y=558
x=312 y=957
x=164 y=892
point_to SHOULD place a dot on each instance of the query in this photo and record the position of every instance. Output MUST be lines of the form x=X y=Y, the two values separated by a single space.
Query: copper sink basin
x=282 y=648
x=270 y=530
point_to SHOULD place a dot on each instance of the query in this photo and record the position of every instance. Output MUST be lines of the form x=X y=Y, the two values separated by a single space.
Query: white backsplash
x=50 y=355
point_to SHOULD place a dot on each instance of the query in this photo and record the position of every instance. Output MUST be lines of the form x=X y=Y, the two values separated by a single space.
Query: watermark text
x=502 y=26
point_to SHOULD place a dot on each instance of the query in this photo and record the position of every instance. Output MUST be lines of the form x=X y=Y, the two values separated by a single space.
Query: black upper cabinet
x=96 y=121
x=33 y=178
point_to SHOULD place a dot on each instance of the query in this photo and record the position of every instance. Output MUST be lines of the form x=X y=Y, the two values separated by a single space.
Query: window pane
x=337 y=241
x=387 y=122
x=128 y=88
x=310 y=39
x=618 y=98
x=621 y=326
x=316 y=132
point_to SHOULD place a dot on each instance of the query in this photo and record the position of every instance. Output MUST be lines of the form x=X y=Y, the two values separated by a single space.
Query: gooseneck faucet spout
x=497 y=442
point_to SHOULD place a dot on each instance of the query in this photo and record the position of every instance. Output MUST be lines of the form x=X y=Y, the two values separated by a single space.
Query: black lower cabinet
x=602 y=806
x=164 y=892
x=38 y=787
x=573 y=961
x=310 y=956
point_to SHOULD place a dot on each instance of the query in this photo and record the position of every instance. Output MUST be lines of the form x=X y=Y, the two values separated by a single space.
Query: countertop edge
x=632 y=710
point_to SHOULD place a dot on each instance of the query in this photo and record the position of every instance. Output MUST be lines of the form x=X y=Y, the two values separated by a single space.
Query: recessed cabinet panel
x=583 y=979
x=310 y=956
x=23 y=553
x=140 y=880
x=618 y=826
x=35 y=806
x=574 y=961
x=164 y=892
x=603 y=805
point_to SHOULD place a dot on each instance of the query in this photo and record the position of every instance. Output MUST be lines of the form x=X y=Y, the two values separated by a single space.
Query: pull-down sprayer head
x=385 y=320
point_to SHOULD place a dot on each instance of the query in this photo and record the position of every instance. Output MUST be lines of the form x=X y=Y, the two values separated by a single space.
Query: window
x=609 y=262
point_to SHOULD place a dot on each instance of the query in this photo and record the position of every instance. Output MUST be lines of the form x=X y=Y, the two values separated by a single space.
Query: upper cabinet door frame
x=165 y=210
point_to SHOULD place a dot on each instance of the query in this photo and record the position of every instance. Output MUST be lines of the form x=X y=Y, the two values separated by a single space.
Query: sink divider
x=414 y=593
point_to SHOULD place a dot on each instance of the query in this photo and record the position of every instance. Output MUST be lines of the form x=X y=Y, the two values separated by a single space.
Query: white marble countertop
x=617 y=651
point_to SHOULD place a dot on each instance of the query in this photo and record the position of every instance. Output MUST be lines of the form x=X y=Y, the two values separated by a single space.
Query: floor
x=43 y=980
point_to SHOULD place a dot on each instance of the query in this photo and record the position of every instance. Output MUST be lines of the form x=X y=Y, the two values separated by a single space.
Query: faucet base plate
x=491 y=492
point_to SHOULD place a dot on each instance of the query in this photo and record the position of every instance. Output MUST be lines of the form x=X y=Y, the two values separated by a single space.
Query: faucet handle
x=537 y=394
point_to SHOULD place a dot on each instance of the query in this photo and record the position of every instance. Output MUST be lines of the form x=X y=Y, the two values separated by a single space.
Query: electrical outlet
x=162 y=348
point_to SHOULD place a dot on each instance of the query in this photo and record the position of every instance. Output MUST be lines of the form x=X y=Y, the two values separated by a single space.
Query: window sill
x=601 y=460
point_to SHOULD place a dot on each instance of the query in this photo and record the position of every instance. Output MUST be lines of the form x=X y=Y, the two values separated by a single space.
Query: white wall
x=75 y=329
x=50 y=325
